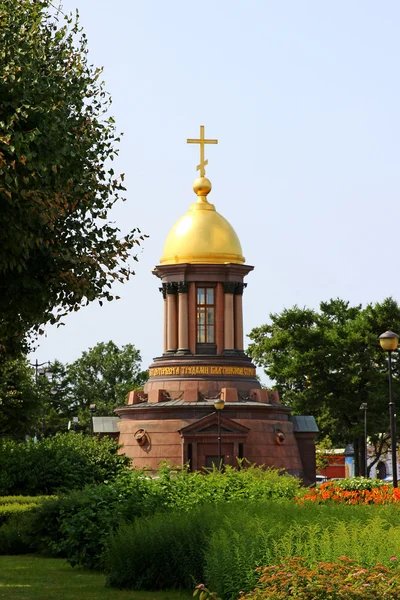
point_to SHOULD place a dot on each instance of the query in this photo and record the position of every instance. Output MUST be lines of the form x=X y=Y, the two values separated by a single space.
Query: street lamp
x=47 y=372
x=364 y=407
x=389 y=342
x=219 y=405
x=92 y=410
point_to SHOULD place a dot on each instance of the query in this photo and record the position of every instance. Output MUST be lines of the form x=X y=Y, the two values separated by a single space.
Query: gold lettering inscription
x=188 y=370
x=162 y=371
x=216 y=370
x=195 y=370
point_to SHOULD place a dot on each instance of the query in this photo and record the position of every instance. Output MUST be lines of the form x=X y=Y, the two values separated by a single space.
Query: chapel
x=203 y=404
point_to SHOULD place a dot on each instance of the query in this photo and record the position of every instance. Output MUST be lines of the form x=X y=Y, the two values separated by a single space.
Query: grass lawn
x=32 y=577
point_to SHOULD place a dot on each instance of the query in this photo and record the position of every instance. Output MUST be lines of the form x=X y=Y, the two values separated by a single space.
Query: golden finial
x=202 y=141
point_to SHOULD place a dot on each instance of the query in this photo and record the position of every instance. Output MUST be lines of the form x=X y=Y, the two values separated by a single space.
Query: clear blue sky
x=304 y=98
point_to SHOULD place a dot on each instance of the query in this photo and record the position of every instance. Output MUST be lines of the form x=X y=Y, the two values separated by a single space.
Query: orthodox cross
x=202 y=141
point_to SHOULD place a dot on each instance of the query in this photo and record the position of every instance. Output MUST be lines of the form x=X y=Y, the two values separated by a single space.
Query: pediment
x=209 y=425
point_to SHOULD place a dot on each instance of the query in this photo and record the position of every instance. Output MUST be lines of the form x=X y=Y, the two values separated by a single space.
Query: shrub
x=270 y=532
x=358 y=483
x=14 y=505
x=77 y=526
x=7 y=500
x=221 y=544
x=360 y=541
x=14 y=536
x=184 y=490
x=161 y=552
x=9 y=510
x=65 y=462
x=343 y=579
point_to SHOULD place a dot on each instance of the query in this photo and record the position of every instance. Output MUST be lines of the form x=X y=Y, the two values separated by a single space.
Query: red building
x=336 y=468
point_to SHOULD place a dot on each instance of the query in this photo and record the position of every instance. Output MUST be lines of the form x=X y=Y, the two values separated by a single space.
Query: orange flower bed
x=343 y=579
x=331 y=491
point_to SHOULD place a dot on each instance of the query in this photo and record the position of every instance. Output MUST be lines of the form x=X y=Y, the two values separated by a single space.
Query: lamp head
x=389 y=341
x=219 y=404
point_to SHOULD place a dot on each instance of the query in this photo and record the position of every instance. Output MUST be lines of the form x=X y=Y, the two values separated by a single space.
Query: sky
x=304 y=98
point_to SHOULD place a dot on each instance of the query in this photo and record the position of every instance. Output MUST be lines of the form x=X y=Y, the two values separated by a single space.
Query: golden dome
x=202 y=235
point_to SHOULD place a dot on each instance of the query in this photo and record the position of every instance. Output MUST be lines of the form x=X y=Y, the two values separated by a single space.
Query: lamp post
x=92 y=410
x=364 y=407
x=389 y=342
x=219 y=405
x=38 y=370
x=46 y=372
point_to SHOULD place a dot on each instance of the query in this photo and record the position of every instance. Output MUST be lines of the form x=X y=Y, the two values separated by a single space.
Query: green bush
x=184 y=490
x=217 y=543
x=11 y=506
x=64 y=462
x=270 y=533
x=359 y=483
x=77 y=526
x=160 y=552
x=15 y=537
x=361 y=541
x=7 y=500
x=9 y=510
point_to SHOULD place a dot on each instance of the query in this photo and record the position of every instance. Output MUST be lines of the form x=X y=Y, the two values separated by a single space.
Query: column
x=163 y=290
x=229 y=337
x=239 y=316
x=219 y=318
x=172 y=342
x=183 y=318
x=192 y=317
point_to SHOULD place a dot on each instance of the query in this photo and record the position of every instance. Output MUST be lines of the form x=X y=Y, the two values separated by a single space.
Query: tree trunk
x=361 y=445
x=378 y=450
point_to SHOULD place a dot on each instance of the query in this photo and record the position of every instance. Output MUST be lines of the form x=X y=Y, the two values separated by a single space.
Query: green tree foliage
x=42 y=406
x=20 y=402
x=56 y=409
x=328 y=362
x=58 y=249
x=321 y=457
x=103 y=376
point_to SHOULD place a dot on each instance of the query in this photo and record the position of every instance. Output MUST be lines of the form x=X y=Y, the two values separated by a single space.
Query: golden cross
x=202 y=141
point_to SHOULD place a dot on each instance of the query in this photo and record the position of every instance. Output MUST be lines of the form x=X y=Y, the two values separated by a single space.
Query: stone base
x=188 y=433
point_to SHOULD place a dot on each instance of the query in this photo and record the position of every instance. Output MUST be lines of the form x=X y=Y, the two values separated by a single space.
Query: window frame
x=205 y=306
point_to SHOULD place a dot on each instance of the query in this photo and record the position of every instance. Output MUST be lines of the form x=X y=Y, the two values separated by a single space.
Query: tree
x=328 y=363
x=40 y=406
x=56 y=411
x=103 y=376
x=58 y=249
x=20 y=402
x=321 y=457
